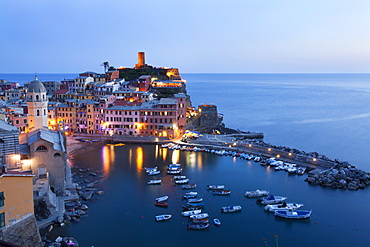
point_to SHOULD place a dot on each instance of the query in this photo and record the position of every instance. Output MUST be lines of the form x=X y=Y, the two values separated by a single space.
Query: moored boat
x=290 y=214
x=161 y=199
x=182 y=181
x=256 y=193
x=179 y=177
x=174 y=165
x=172 y=172
x=199 y=216
x=196 y=204
x=217 y=222
x=150 y=169
x=189 y=186
x=216 y=187
x=198 y=226
x=231 y=209
x=189 y=207
x=191 y=212
x=221 y=192
x=283 y=206
x=151 y=173
x=271 y=200
x=163 y=217
x=195 y=200
x=161 y=204
x=154 y=181
x=200 y=221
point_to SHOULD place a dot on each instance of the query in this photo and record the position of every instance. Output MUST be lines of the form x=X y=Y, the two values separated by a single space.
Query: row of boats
x=278 y=165
x=278 y=206
x=194 y=207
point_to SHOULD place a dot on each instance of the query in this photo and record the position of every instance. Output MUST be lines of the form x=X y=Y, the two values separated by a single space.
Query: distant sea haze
x=326 y=113
x=24 y=78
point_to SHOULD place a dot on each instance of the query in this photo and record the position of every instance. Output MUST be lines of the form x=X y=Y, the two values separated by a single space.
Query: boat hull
x=288 y=214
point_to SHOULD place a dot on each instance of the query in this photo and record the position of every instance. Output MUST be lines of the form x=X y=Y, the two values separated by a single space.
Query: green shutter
x=2 y=220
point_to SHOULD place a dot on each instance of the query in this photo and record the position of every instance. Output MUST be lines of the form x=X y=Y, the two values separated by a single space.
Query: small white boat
x=271 y=200
x=182 y=181
x=189 y=186
x=179 y=177
x=175 y=168
x=154 y=181
x=217 y=222
x=191 y=212
x=289 y=214
x=199 y=216
x=163 y=217
x=216 y=187
x=174 y=165
x=191 y=193
x=257 y=193
x=151 y=173
x=174 y=172
x=231 y=209
x=150 y=169
x=192 y=200
x=161 y=199
x=283 y=206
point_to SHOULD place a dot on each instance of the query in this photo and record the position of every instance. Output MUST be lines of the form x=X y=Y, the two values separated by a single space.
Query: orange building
x=17 y=209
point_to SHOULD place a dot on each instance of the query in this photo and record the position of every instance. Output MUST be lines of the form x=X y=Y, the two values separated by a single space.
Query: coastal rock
x=87 y=195
x=67 y=217
x=92 y=174
x=100 y=192
x=341 y=176
x=84 y=207
x=90 y=185
x=81 y=212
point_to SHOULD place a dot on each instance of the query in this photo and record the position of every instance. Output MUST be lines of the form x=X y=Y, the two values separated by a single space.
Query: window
x=2 y=220
x=56 y=155
x=38 y=113
x=41 y=148
x=2 y=199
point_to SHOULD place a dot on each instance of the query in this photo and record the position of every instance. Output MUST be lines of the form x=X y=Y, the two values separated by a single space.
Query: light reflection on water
x=139 y=158
x=107 y=158
x=175 y=156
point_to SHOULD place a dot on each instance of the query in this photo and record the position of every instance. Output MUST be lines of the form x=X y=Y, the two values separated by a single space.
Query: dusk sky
x=196 y=36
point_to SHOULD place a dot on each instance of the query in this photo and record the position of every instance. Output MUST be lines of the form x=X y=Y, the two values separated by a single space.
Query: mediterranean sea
x=326 y=113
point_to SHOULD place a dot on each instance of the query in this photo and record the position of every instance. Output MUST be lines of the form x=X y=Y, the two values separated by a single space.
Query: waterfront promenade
x=227 y=141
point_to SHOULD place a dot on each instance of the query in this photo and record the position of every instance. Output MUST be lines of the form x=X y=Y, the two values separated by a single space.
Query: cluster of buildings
x=36 y=118
x=107 y=104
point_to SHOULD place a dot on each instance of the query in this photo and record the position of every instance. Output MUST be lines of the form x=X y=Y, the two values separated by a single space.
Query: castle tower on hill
x=37 y=104
x=140 y=60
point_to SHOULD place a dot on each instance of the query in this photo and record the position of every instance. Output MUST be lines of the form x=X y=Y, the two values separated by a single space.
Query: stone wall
x=23 y=233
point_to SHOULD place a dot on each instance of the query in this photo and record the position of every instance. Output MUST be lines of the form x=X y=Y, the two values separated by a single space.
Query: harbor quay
x=231 y=142
x=220 y=142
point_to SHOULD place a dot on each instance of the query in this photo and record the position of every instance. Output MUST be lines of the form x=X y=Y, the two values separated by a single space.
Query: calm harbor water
x=327 y=113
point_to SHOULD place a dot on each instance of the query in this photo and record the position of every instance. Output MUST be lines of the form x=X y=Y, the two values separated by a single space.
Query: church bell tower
x=37 y=105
